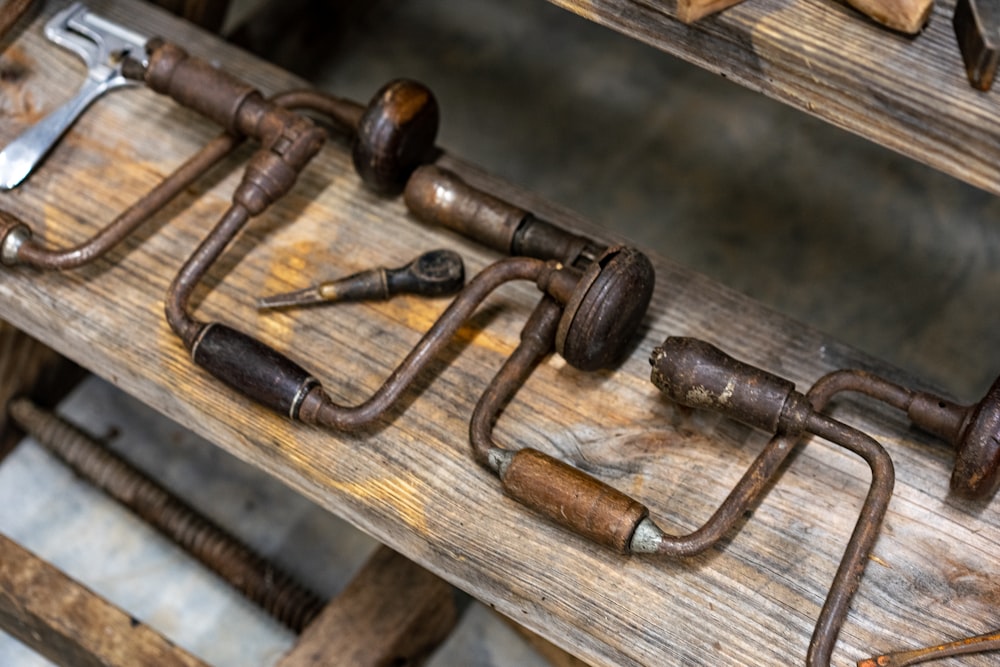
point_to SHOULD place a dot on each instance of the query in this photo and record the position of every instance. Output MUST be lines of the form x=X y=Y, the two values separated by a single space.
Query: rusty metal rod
x=978 y=644
x=266 y=585
x=298 y=394
x=24 y=249
x=604 y=305
x=403 y=113
x=972 y=430
x=537 y=340
x=31 y=252
x=699 y=375
x=866 y=530
x=695 y=373
x=435 y=195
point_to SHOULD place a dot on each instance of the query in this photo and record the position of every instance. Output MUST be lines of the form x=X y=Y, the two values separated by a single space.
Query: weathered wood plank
x=411 y=482
x=824 y=58
x=29 y=367
x=393 y=612
x=69 y=624
x=552 y=653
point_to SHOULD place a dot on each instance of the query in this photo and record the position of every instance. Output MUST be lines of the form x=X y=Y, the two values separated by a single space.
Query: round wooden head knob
x=395 y=135
x=977 y=461
x=602 y=315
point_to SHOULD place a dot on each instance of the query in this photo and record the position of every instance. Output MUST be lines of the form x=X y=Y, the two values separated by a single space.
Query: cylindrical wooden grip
x=195 y=84
x=572 y=498
x=253 y=368
x=439 y=196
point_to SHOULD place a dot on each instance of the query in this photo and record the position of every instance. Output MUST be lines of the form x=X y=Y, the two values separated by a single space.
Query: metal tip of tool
x=302 y=297
x=13 y=168
x=434 y=273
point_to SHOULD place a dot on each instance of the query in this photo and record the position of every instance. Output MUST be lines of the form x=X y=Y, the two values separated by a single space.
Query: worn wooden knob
x=605 y=309
x=396 y=135
x=977 y=459
x=974 y=432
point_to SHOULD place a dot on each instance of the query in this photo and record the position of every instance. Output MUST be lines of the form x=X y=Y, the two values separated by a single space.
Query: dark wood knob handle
x=395 y=135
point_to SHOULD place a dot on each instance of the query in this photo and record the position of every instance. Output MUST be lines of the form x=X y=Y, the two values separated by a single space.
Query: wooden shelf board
x=411 y=483
x=909 y=94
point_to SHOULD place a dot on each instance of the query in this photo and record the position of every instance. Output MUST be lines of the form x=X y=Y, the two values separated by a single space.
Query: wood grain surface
x=411 y=482
x=907 y=93
x=68 y=623
x=391 y=613
x=26 y=367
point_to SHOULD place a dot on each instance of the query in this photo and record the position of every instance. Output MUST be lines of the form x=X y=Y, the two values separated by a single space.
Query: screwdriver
x=434 y=273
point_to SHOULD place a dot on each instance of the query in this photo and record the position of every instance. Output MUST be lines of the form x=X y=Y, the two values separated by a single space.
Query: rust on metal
x=696 y=373
x=978 y=644
x=972 y=430
x=624 y=264
x=260 y=581
x=440 y=196
x=234 y=105
x=434 y=273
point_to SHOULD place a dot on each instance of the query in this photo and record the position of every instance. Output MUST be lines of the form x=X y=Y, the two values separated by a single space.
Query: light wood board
x=411 y=482
x=70 y=624
x=909 y=94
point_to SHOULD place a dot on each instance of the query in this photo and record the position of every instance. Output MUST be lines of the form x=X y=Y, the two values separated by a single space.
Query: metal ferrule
x=14 y=237
x=499 y=459
x=647 y=538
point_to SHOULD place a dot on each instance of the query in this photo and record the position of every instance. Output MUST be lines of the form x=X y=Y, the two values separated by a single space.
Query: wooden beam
x=906 y=92
x=29 y=367
x=554 y=655
x=393 y=612
x=71 y=625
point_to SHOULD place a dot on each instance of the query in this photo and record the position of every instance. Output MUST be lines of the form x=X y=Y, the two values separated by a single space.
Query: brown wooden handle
x=252 y=368
x=438 y=196
x=572 y=498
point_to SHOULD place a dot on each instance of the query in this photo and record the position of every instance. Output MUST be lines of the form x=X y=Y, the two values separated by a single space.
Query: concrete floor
x=883 y=253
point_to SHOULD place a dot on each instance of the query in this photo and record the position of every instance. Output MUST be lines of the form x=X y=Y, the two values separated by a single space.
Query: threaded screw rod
x=255 y=577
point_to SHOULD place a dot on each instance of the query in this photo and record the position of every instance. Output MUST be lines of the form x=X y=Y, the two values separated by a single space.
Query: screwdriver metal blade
x=303 y=297
x=101 y=44
x=16 y=162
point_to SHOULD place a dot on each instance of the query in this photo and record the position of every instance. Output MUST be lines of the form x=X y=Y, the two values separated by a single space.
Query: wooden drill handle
x=572 y=498
x=253 y=368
